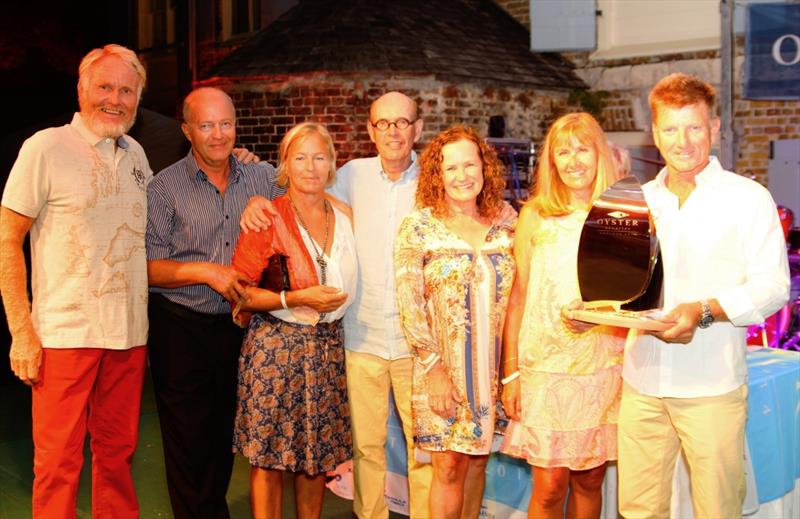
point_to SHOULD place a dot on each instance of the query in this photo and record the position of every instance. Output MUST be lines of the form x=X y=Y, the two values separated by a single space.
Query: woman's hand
x=572 y=324
x=322 y=298
x=442 y=394
x=511 y=400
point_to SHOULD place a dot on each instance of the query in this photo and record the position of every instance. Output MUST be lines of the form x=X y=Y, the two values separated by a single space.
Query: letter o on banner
x=776 y=50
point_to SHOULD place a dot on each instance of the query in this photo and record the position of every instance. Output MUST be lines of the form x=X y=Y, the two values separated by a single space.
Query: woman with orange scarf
x=292 y=413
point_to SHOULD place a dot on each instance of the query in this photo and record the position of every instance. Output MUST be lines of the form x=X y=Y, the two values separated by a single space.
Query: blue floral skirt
x=292 y=412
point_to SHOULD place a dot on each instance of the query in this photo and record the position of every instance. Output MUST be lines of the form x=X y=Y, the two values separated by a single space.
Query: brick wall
x=266 y=109
x=755 y=123
x=758 y=123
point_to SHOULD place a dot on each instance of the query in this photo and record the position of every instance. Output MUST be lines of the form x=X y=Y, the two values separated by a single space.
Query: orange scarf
x=255 y=249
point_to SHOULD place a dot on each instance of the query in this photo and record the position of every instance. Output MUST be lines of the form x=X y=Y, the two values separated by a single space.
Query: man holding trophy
x=725 y=267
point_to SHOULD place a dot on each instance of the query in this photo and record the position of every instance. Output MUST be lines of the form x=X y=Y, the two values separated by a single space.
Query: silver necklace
x=320 y=254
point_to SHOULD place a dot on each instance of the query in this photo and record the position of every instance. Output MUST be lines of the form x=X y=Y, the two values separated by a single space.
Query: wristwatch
x=705 y=317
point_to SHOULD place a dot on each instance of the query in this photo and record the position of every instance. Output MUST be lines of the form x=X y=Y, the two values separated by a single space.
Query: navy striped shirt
x=188 y=220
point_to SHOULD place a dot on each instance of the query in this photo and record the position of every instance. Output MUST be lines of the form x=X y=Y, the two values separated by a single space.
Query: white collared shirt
x=725 y=242
x=372 y=324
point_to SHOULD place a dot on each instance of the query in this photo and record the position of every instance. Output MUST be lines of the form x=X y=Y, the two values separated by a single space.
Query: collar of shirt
x=193 y=170
x=92 y=138
x=708 y=176
x=410 y=174
x=705 y=177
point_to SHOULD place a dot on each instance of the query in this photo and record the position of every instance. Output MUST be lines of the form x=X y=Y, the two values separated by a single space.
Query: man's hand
x=322 y=298
x=685 y=317
x=572 y=324
x=507 y=213
x=512 y=402
x=245 y=156
x=253 y=217
x=26 y=356
x=227 y=281
x=442 y=394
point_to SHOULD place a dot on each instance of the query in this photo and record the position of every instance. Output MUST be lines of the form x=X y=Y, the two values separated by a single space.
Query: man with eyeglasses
x=194 y=207
x=381 y=192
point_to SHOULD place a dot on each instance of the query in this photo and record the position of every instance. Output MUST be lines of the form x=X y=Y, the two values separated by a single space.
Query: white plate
x=646 y=320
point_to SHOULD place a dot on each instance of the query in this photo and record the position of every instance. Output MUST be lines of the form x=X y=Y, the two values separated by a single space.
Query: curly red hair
x=430 y=190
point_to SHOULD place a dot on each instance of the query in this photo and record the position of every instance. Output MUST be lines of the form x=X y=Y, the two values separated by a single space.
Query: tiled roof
x=459 y=40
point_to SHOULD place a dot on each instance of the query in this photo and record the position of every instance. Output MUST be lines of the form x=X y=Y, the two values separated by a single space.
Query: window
x=156 y=23
x=630 y=28
x=240 y=17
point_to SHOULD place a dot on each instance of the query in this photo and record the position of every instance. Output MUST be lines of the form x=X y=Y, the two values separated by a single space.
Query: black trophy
x=619 y=262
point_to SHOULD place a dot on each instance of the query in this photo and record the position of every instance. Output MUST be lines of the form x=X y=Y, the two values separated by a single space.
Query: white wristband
x=430 y=366
x=430 y=359
x=283 y=300
x=510 y=378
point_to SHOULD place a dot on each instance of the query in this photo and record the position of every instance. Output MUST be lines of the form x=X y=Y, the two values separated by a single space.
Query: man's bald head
x=396 y=101
x=203 y=96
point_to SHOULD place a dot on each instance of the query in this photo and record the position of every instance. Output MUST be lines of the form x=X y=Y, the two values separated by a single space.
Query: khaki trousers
x=709 y=431
x=369 y=379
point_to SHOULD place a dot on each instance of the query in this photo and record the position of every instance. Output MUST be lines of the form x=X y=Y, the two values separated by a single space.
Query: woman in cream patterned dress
x=454 y=265
x=562 y=377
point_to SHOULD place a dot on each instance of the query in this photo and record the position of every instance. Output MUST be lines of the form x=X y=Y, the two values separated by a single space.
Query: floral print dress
x=452 y=301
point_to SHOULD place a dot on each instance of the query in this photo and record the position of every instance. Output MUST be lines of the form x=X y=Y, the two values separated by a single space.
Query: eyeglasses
x=208 y=126
x=400 y=124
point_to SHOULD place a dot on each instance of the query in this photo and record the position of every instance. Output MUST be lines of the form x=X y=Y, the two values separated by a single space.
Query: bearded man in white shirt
x=725 y=267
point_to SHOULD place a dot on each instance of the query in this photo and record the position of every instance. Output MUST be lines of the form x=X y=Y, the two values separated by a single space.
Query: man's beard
x=104 y=129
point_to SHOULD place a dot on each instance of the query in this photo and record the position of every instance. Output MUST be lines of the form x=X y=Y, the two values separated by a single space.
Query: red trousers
x=81 y=387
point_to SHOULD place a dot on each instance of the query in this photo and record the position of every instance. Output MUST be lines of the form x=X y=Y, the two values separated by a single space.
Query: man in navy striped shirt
x=194 y=208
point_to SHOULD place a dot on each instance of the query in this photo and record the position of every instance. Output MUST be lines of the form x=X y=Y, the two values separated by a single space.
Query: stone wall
x=755 y=123
x=266 y=109
x=628 y=81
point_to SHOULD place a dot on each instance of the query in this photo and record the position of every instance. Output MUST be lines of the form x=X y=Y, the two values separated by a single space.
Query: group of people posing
x=284 y=306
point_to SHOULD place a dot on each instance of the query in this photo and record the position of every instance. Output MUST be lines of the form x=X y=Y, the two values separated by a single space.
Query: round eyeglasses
x=384 y=124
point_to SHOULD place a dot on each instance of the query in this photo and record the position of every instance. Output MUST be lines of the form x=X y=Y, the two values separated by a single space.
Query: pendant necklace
x=320 y=254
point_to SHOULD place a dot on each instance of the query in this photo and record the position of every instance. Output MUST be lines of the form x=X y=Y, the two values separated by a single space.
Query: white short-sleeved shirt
x=89 y=271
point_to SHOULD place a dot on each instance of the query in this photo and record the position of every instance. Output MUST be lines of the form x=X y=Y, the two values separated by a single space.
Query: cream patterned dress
x=570 y=383
x=453 y=301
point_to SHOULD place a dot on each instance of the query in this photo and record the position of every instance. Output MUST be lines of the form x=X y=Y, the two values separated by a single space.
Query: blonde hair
x=551 y=196
x=112 y=49
x=296 y=134
x=678 y=90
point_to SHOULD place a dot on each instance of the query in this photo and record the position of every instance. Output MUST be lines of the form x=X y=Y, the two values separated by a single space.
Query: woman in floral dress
x=454 y=266
x=292 y=413
x=563 y=376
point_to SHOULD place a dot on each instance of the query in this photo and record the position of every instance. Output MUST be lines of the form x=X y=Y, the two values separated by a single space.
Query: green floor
x=16 y=462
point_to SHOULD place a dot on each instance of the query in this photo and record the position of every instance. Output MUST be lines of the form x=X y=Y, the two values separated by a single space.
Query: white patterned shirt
x=88 y=199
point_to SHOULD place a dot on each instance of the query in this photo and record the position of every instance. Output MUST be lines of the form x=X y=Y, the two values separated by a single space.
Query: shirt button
x=226 y=216
x=227 y=244
x=217 y=190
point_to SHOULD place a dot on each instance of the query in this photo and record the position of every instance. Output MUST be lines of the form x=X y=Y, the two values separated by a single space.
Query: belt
x=187 y=313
